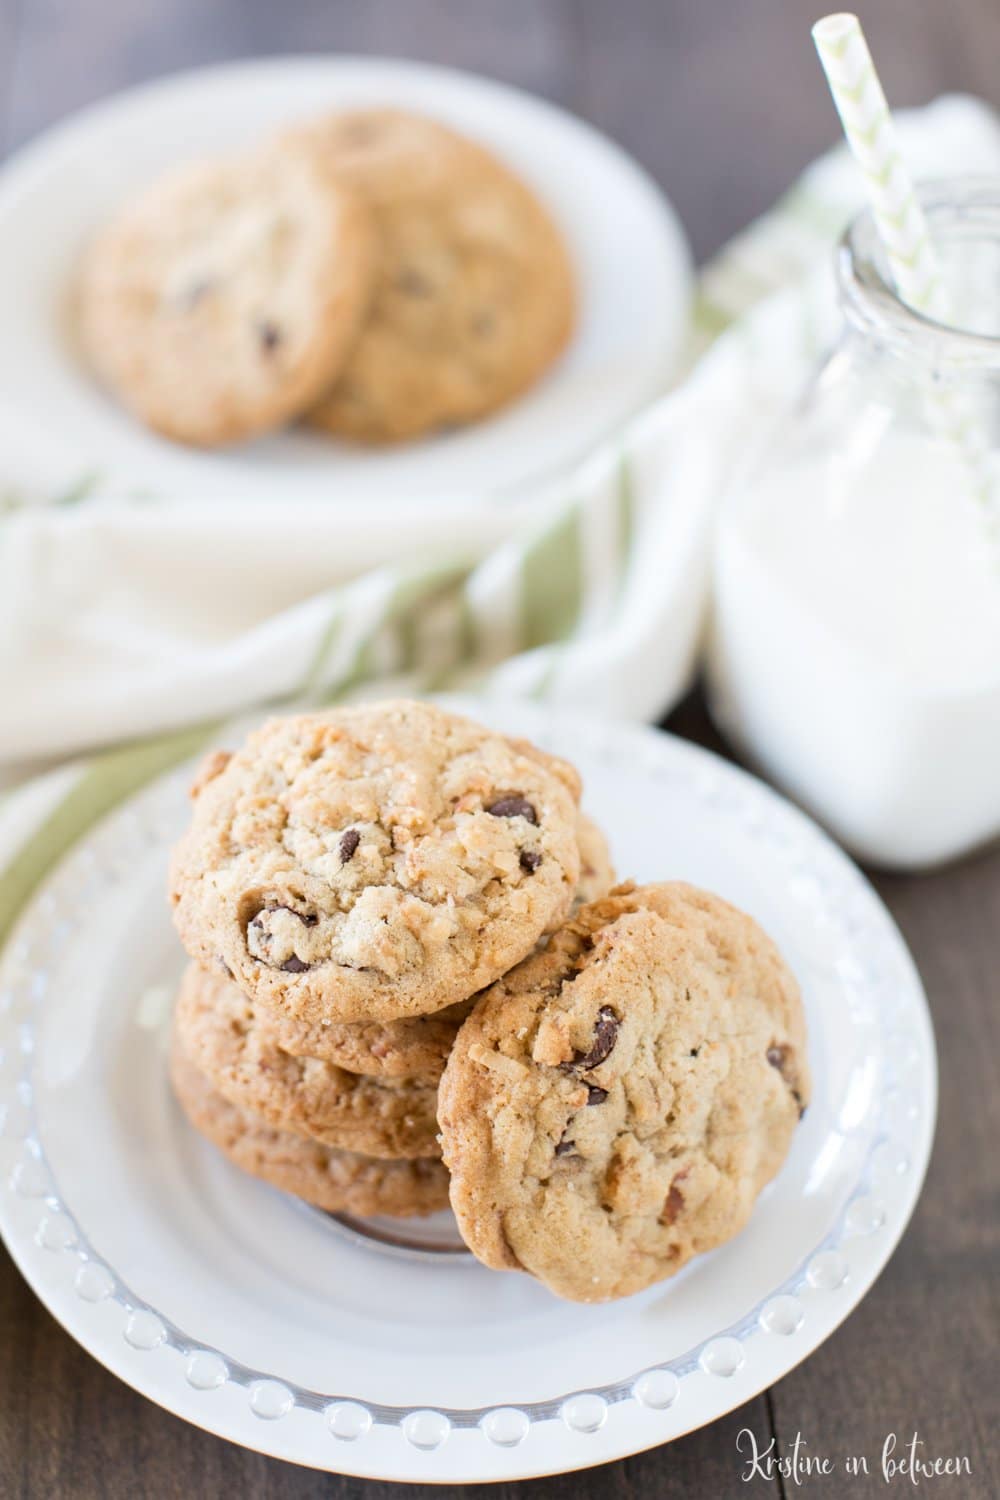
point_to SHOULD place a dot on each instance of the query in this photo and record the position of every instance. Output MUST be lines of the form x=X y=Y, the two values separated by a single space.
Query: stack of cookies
x=350 y=880
x=373 y=272
x=411 y=984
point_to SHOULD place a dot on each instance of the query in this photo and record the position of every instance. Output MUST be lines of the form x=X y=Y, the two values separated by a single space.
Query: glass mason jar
x=855 y=638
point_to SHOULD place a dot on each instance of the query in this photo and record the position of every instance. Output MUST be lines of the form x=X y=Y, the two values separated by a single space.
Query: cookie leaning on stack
x=473 y=846
x=615 y=1104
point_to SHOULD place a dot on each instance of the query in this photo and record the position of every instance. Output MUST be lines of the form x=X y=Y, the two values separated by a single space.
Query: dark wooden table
x=723 y=103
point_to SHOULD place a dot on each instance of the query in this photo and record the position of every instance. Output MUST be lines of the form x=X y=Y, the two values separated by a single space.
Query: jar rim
x=967 y=206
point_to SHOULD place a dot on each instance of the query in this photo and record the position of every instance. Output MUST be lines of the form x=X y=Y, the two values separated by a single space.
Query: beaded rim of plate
x=880 y=981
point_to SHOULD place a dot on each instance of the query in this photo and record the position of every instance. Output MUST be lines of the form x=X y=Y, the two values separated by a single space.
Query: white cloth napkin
x=122 y=619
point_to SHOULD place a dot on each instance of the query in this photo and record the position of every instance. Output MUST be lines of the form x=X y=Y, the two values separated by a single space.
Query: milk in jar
x=854 y=649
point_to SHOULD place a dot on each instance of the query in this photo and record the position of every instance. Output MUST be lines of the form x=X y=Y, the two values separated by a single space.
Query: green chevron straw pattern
x=868 y=127
x=901 y=225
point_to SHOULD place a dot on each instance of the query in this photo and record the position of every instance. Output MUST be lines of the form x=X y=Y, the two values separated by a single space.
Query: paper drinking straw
x=900 y=222
x=871 y=135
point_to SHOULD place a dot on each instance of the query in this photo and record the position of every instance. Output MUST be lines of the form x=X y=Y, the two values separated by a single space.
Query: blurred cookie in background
x=225 y=298
x=474 y=294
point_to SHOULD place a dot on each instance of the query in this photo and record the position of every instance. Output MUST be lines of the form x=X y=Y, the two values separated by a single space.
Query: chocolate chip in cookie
x=605 y=1036
x=674 y=1201
x=269 y=335
x=349 y=842
x=513 y=806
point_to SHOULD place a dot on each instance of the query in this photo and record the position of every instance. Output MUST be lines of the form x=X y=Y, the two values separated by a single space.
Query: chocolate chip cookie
x=474 y=290
x=224 y=299
x=375 y=862
x=305 y=1096
x=615 y=1104
x=417 y=1048
x=337 y=1181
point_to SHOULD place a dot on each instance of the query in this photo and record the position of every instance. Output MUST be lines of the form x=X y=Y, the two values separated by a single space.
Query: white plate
x=262 y=1321
x=628 y=249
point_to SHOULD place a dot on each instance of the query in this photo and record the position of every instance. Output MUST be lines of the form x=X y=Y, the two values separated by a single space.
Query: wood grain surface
x=721 y=100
